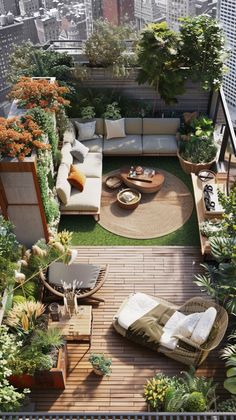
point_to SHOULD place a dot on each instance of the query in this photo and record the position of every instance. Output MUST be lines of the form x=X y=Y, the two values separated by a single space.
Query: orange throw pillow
x=76 y=178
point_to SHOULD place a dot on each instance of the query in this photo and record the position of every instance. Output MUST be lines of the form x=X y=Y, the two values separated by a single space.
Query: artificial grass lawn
x=87 y=232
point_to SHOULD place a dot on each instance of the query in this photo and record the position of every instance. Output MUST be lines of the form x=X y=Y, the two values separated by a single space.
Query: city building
x=10 y=6
x=48 y=27
x=11 y=33
x=227 y=15
x=28 y=7
x=180 y=8
x=29 y=28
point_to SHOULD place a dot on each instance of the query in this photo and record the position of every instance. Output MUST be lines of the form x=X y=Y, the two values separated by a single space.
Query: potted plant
x=101 y=365
x=42 y=358
x=197 y=149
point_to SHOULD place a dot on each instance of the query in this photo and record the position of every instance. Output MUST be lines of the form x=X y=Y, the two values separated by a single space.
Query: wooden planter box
x=51 y=379
x=189 y=167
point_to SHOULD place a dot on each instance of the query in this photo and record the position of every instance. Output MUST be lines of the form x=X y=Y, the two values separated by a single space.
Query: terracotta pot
x=190 y=167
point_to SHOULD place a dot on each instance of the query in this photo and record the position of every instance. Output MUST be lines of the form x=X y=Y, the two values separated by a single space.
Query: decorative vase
x=190 y=167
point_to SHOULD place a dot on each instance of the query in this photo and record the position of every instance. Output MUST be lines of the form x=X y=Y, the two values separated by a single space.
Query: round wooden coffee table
x=142 y=183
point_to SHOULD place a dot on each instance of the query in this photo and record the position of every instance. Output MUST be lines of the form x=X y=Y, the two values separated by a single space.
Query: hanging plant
x=39 y=93
x=19 y=136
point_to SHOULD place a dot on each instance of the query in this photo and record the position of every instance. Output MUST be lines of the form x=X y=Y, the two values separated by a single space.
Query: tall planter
x=195 y=168
x=20 y=199
x=48 y=379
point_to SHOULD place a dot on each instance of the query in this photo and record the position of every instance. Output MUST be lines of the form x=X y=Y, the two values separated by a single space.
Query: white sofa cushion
x=92 y=165
x=94 y=145
x=88 y=200
x=63 y=187
x=115 y=128
x=130 y=145
x=79 y=151
x=161 y=125
x=66 y=156
x=203 y=328
x=159 y=143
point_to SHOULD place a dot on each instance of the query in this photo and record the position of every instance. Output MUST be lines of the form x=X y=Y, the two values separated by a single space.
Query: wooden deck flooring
x=162 y=271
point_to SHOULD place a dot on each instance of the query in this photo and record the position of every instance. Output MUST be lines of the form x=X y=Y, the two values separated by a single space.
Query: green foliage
x=30 y=361
x=45 y=122
x=229 y=354
x=27 y=60
x=158 y=59
x=9 y=246
x=214 y=227
x=198 y=146
x=101 y=363
x=198 y=150
x=227 y=406
x=10 y=399
x=229 y=216
x=88 y=112
x=62 y=123
x=112 y=111
x=106 y=47
x=51 y=207
x=159 y=390
x=46 y=341
x=188 y=394
x=202 y=50
x=195 y=403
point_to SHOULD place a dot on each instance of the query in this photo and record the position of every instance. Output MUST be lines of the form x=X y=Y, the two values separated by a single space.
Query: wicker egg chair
x=188 y=352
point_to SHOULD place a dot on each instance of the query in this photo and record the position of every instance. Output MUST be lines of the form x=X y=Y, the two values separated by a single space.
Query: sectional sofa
x=143 y=137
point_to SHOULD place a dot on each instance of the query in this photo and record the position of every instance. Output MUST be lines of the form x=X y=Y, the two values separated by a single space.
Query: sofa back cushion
x=161 y=125
x=66 y=156
x=63 y=187
x=99 y=127
x=133 y=125
x=70 y=134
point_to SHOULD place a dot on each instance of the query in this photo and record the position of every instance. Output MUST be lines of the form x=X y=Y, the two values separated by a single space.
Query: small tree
x=203 y=50
x=106 y=47
x=159 y=61
x=28 y=60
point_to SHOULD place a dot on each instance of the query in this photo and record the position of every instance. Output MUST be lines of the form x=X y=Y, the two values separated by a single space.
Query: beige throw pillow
x=86 y=130
x=115 y=128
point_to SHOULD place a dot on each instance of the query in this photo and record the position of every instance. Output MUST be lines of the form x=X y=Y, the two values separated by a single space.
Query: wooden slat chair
x=80 y=293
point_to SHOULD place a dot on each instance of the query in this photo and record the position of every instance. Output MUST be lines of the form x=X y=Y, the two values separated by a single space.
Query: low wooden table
x=151 y=185
x=78 y=327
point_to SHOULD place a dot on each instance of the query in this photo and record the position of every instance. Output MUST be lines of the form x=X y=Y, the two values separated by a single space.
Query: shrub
x=19 y=136
x=39 y=93
x=228 y=405
x=195 y=402
x=24 y=316
x=112 y=111
x=46 y=341
x=106 y=47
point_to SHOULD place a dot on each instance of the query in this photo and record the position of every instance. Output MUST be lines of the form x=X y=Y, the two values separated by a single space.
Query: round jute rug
x=158 y=214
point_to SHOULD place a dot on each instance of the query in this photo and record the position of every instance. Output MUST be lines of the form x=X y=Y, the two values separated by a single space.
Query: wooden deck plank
x=162 y=271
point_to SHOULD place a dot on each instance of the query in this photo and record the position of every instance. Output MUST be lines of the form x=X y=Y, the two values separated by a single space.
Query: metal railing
x=116 y=416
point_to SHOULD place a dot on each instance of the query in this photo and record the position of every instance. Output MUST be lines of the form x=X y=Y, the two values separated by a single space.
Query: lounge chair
x=156 y=326
x=84 y=279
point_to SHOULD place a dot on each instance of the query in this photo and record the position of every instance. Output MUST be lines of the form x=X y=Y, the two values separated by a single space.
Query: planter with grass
x=55 y=378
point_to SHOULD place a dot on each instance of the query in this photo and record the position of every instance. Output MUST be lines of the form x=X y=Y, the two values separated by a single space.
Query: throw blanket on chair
x=148 y=329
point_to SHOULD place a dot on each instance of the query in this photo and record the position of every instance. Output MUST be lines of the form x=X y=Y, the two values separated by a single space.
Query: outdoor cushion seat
x=154 y=326
x=86 y=201
x=129 y=145
x=91 y=166
x=159 y=144
x=86 y=275
x=94 y=145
